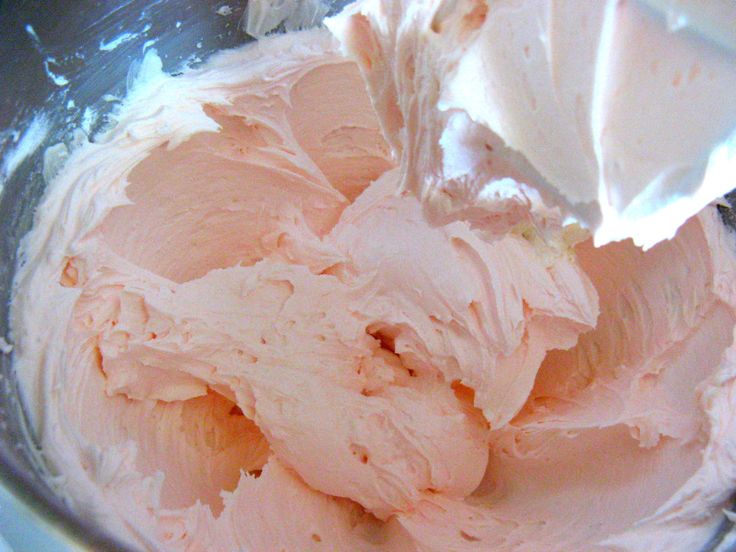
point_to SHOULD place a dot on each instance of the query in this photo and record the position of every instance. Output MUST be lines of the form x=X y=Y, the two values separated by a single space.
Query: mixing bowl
x=64 y=67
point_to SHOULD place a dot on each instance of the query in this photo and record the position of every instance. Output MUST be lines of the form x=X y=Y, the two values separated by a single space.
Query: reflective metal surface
x=62 y=61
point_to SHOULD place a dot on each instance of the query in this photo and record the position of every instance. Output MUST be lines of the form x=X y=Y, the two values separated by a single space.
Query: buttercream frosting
x=621 y=112
x=236 y=328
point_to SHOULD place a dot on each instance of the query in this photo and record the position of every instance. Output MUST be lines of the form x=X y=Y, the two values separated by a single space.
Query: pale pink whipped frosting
x=237 y=331
x=626 y=119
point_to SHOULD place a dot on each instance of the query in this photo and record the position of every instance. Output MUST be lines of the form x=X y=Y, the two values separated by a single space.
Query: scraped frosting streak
x=238 y=329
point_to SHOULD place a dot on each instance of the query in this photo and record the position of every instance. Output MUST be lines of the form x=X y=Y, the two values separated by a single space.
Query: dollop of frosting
x=601 y=106
x=236 y=331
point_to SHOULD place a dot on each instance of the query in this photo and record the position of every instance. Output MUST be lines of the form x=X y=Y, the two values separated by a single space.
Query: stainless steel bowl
x=58 y=61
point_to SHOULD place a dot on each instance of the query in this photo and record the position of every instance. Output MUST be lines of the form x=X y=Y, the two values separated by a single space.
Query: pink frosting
x=599 y=105
x=235 y=333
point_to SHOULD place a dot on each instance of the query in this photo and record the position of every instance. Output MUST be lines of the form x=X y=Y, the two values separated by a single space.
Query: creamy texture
x=236 y=331
x=628 y=123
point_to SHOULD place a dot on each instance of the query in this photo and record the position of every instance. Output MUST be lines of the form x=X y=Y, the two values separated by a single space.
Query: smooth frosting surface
x=237 y=331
